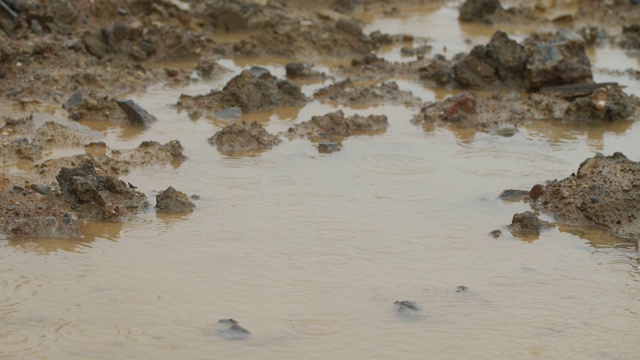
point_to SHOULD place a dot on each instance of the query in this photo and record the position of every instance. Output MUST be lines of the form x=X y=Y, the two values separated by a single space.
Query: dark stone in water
x=513 y=195
x=136 y=114
x=231 y=330
x=406 y=305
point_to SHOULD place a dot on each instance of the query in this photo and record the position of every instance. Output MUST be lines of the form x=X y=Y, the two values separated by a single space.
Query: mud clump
x=561 y=60
x=98 y=197
x=603 y=104
x=241 y=138
x=81 y=195
x=173 y=201
x=539 y=62
x=605 y=191
x=527 y=224
x=501 y=62
x=479 y=10
x=303 y=70
x=346 y=92
x=252 y=90
x=468 y=110
x=94 y=107
x=335 y=126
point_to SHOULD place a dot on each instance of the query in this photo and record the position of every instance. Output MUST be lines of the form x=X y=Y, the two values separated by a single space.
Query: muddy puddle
x=309 y=251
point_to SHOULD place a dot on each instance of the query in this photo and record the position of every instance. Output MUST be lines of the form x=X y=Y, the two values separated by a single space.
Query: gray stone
x=95 y=44
x=73 y=100
x=229 y=114
x=350 y=27
x=136 y=114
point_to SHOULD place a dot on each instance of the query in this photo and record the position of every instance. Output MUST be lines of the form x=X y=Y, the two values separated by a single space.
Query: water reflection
x=90 y=233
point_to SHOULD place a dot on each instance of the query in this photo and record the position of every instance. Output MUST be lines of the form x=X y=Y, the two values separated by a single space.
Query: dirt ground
x=83 y=56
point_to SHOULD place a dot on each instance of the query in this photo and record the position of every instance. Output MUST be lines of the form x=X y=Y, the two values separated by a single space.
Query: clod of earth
x=527 y=224
x=252 y=90
x=335 y=126
x=538 y=63
x=173 y=201
x=94 y=107
x=346 y=92
x=97 y=197
x=239 y=138
x=302 y=70
x=603 y=104
x=479 y=10
x=605 y=191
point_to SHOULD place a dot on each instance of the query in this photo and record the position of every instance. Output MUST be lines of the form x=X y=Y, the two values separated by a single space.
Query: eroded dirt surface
x=336 y=126
x=604 y=191
x=252 y=90
x=346 y=92
x=237 y=139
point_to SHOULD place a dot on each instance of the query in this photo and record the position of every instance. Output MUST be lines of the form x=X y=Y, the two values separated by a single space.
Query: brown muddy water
x=309 y=251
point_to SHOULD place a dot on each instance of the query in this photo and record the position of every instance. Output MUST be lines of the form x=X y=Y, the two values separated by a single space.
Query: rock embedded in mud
x=561 y=60
x=336 y=126
x=135 y=113
x=173 y=201
x=613 y=180
x=479 y=10
x=239 y=138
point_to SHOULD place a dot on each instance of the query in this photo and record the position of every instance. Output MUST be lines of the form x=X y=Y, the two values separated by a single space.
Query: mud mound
x=336 y=126
x=28 y=139
x=94 y=107
x=604 y=104
x=468 y=110
x=346 y=92
x=604 y=191
x=539 y=62
x=240 y=138
x=252 y=90
x=118 y=162
x=36 y=210
x=492 y=12
x=527 y=225
x=173 y=201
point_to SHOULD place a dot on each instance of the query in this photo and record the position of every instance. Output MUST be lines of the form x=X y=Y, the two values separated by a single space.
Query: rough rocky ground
x=604 y=191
